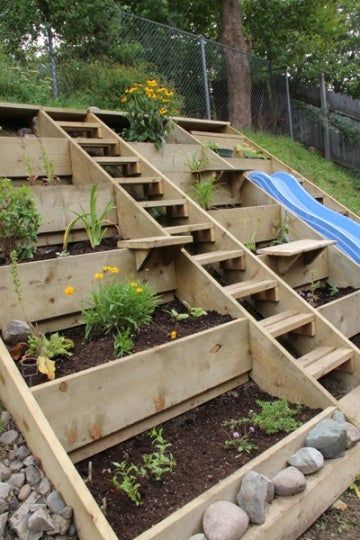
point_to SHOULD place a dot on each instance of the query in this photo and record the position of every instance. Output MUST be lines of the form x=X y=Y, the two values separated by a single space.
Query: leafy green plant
x=212 y=145
x=126 y=478
x=123 y=343
x=52 y=347
x=331 y=287
x=282 y=231
x=197 y=161
x=49 y=167
x=193 y=313
x=161 y=461
x=116 y=307
x=93 y=221
x=251 y=244
x=240 y=435
x=204 y=191
x=242 y=444
x=196 y=312
x=276 y=416
x=313 y=287
x=245 y=151
x=19 y=220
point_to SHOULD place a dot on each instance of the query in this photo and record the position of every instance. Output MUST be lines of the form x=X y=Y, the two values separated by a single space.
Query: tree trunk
x=238 y=77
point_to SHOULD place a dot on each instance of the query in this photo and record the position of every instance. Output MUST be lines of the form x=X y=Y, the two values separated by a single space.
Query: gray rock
x=22 y=452
x=12 y=455
x=5 y=490
x=16 y=331
x=338 y=416
x=307 y=460
x=44 y=487
x=255 y=492
x=224 y=520
x=66 y=512
x=18 y=521
x=3 y=521
x=5 y=417
x=16 y=466
x=72 y=530
x=352 y=435
x=5 y=473
x=61 y=525
x=40 y=521
x=4 y=506
x=17 y=480
x=289 y=481
x=29 y=461
x=329 y=437
x=13 y=505
x=93 y=109
x=35 y=535
x=55 y=502
x=24 y=492
x=9 y=437
x=33 y=475
x=199 y=536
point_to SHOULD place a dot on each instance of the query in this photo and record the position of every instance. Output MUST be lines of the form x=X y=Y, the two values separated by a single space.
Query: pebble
x=4 y=505
x=29 y=461
x=22 y=452
x=5 y=490
x=339 y=505
x=66 y=512
x=224 y=520
x=17 y=480
x=307 y=460
x=44 y=487
x=16 y=466
x=289 y=481
x=352 y=435
x=9 y=437
x=61 y=525
x=255 y=492
x=40 y=521
x=55 y=502
x=33 y=475
x=24 y=492
x=3 y=521
x=5 y=418
x=5 y=473
x=329 y=437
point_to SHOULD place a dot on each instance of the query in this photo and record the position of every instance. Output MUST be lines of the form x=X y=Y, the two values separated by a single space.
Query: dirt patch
x=356 y=340
x=324 y=295
x=197 y=439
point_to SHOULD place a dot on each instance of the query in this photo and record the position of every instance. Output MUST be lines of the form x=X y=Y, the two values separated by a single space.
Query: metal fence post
x=324 y=109
x=205 y=76
x=291 y=128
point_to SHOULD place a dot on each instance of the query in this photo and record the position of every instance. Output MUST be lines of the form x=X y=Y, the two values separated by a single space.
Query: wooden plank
x=115 y=160
x=43 y=283
x=314 y=355
x=155 y=242
x=188 y=520
x=344 y=313
x=249 y=164
x=217 y=135
x=296 y=247
x=138 y=180
x=42 y=441
x=77 y=126
x=218 y=256
x=91 y=141
x=289 y=322
x=251 y=286
x=329 y=362
x=167 y=375
x=163 y=203
x=15 y=151
x=176 y=229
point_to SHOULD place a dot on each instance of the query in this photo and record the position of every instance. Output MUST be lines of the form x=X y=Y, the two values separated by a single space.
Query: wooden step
x=290 y=321
x=148 y=251
x=153 y=242
x=177 y=229
x=218 y=256
x=322 y=360
x=115 y=160
x=138 y=181
x=78 y=126
x=218 y=135
x=295 y=248
x=251 y=286
x=90 y=141
x=163 y=203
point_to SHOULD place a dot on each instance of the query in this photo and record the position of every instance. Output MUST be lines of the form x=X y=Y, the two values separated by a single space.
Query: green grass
x=342 y=184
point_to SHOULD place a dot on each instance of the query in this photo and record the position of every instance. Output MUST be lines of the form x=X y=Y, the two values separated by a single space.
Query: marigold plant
x=149 y=107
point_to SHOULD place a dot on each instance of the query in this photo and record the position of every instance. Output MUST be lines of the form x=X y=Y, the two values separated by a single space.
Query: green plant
x=126 y=479
x=251 y=244
x=31 y=177
x=242 y=444
x=313 y=287
x=19 y=220
x=193 y=313
x=123 y=343
x=332 y=288
x=204 y=191
x=276 y=416
x=212 y=145
x=116 y=307
x=52 y=347
x=282 y=231
x=161 y=461
x=93 y=221
x=49 y=167
x=239 y=436
x=149 y=108
x=197 y=161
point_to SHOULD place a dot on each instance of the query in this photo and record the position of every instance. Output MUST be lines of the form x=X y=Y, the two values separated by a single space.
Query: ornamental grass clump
x=149 y=107
x=119 y=306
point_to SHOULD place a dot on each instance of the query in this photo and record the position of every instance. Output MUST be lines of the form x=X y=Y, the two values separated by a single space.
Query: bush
x=117 y=307
x=276 y=416
x=19 y=220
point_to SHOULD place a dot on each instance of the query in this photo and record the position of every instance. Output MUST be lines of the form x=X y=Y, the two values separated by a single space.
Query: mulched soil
x=197 y=439
x=338 y=524
x=100 y=349
x=74 y=248
x=323 y=295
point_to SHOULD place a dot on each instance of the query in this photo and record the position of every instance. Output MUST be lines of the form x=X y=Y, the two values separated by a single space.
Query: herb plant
x=276 y=416
x=53 y=346
x=123 y=343
x=19 y=220
x=251 y=244
x=93 y=221
x=314 y=297
x=126 y=479
x=160 y=461
x=193 y=313
x=242 y=444
x=212 y=145
x=240 y=435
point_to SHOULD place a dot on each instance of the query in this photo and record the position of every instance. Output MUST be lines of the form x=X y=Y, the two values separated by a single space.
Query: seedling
x=49 y=167
x=123 y=343
x=282 y=232
x=276 y=416
x=313 y=287
x=197 y=161
x=251 y=244
x=126 y=479
x=161 y=461
x=332 y=288
x=239 y=436
x=212 y=145
x=193 y=313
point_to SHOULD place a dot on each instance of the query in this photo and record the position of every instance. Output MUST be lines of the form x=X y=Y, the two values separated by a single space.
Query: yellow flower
x=133 y=284
x=113 y=270
x=139 y=290
x=106 y=268
x=173 y=334
x=98 y=275
x=169 y=93
x=132 y=89
x=123 y=99
x=69 y=291
x=151 y=83
x=163 y=110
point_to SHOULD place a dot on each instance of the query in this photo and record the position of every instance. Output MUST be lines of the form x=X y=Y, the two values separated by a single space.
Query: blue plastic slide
x=287 y=190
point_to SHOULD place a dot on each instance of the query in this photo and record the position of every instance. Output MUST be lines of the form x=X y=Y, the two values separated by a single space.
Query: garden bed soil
x=100 y=349
x=324 y=296
x=356 y=340
x=197 y=439
x=74 y=248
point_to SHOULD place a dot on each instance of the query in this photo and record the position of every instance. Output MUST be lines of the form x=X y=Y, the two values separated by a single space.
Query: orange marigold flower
x=173 y=334
x=69 y=291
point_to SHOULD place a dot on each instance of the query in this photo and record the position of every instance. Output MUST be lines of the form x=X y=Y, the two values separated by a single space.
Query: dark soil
x=323 y=295
x=197 y=439
x=74 y=248
x=356 y=340
x=100 y=349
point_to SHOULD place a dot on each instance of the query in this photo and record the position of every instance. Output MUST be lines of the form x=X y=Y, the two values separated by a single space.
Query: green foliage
x=239 y=436
x=52 y=347
x=192 y=313
x=251 y=244
x=116 y=307
x=197 y=161
x=49 y=166
x=204 y=191
x=212 y=145
x=282 y=231
x=93 y=221
x=276 y=416
x=242 y=444
x=161 y=461
x=126 y=479
x=331 y=287
x=19 y=220
x=313 y=287
x=123 y=343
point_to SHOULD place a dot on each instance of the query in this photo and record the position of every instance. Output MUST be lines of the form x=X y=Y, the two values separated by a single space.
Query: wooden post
x=324 y=110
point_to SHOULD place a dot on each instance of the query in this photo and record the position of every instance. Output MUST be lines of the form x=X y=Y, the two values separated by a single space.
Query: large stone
x=16 y=331
x=17 y=480
x=5 y=490
x=338 y=416
x=329 y=437
x=9 y=437
x=307 y=460
x=33 y=475
x=40 y=521
x=55 y=502
x=224 y=520
x=352 y=435
x=255 y=492
x=289 y=481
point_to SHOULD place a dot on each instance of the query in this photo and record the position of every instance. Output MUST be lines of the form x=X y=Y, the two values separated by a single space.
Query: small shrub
x=276 y=416
x=204 y=192
x=116 y=307
x=123 y=343
x=19 y=220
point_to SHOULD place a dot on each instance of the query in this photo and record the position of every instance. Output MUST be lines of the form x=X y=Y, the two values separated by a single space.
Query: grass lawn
x=341 y=183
